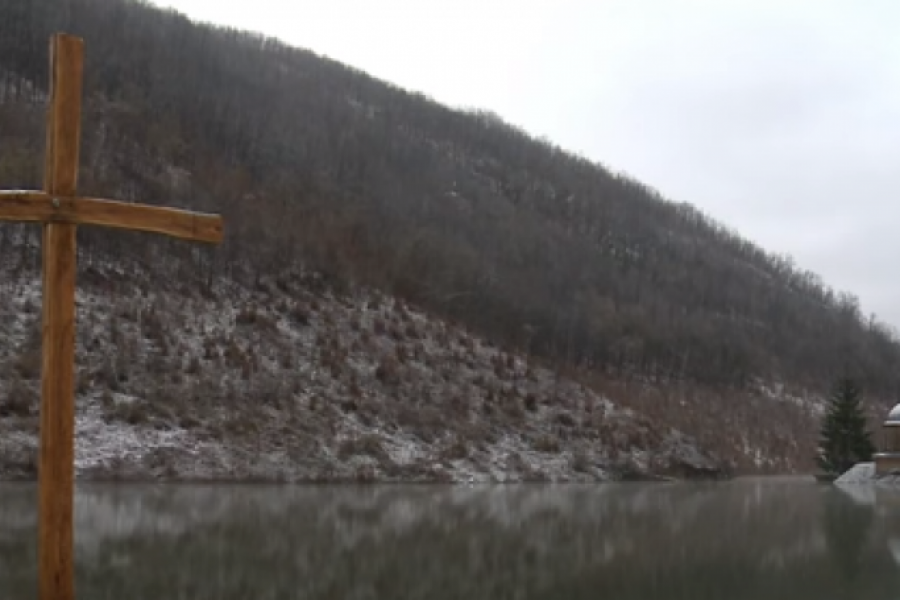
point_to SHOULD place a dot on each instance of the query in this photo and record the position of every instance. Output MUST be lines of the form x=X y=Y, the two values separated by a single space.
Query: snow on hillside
x=292 y=382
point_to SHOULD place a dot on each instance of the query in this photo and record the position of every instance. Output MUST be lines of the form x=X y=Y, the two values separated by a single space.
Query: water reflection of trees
x=847 y=526
x=669 y=542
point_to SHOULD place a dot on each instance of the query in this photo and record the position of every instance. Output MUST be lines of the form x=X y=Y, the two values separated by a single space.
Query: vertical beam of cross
x=61 y=211
x=57 y=445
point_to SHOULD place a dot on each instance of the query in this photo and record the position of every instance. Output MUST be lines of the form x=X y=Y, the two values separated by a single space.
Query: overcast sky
x=780 y=119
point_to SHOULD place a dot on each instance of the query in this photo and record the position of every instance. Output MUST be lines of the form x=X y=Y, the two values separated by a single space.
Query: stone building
x=887 y=459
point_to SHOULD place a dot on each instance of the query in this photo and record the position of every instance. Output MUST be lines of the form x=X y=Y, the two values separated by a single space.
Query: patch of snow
x=861 y=473
x=268 y=397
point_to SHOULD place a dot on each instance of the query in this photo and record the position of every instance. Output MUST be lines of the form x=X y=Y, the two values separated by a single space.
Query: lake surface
x=763 y=539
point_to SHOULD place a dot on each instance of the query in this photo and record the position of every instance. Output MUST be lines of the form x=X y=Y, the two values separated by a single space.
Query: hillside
x=320 y=169
x=292 y=382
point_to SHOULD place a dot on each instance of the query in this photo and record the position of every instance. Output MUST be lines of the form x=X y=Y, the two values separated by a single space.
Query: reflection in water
x=847 y=525
x=740 y=540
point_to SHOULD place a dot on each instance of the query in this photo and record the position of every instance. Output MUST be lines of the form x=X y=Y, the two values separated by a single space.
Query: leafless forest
x=558 y=262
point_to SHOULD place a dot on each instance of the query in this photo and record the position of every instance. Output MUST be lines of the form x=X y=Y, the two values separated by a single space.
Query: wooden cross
x=61 y=211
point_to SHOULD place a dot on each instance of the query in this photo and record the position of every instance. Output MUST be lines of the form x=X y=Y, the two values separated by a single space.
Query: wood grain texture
x=57 y=452
x=57 y=449
x=64 y=116
x=40 y=207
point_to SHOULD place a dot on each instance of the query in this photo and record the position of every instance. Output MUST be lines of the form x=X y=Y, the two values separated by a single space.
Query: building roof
x=894 y=415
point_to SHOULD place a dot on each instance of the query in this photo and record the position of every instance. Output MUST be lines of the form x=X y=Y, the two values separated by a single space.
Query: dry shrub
x=193 y=366
x=368 y=413
x=300 y=315
x=425 y=422
x=535 y=476
x=250 y=316
x=107 y=401
x=157 y=364
x=133 y=413
x=82 y=384
x=189 y=422
x=565 y=419
x=499 y=369
x=365 y=474
x=127 y=312
x=456 y=449
x=401 y=353
x=379 y=325
x=239 y=425
x=28 y=364
x=546 y=443
x=580 y=462
x=334 y=359
x=477 y=434
x=466 y=342
x=20 y=400
x=109 y=375
x=388 y=371
x=234 y=355
x=438 y=475
x=210 y=349
x=152 y=327
x=365 y=445
x=282 y=283
x=512 y=408
x=459 y=406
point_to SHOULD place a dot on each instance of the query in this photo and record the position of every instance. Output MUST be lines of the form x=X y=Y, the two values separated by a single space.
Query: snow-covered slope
x=290 y=381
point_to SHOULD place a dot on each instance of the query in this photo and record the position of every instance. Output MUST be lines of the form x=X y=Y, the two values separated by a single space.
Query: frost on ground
x=290 y=381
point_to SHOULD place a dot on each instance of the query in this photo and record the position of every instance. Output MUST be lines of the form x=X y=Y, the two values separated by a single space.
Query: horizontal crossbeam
x=34 y=206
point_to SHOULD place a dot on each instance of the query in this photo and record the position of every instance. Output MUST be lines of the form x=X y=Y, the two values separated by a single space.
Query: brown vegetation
x=443 y=260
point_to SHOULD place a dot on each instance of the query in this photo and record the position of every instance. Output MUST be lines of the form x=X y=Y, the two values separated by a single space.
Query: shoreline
x=424 y=481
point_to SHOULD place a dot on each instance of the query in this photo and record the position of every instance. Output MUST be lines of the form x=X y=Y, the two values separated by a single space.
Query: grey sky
x=780 y=119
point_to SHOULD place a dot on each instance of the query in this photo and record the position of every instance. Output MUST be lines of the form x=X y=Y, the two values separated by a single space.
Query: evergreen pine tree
x=845 y=440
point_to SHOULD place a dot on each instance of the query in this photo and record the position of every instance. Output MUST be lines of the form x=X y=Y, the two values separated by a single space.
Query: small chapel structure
x=887 y=459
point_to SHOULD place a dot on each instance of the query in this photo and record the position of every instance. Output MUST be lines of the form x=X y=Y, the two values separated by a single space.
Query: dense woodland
x=316 y=164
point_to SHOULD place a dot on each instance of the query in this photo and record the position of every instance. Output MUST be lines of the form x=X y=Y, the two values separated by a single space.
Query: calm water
x=759 y=540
